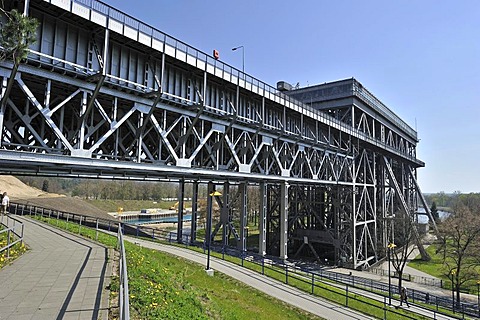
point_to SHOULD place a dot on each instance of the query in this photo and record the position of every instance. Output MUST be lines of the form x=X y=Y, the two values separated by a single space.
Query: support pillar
x=242 y=244
x=208 y=232
x=193 y=225
x=181 y=196
x=283 y=220
x=224 y=214
x=262 y=220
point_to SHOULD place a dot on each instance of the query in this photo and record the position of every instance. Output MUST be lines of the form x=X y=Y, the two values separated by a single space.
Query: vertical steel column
x=26 y=7
x=181 y=196
x=224 y=214
x=208 y=232
x=354 y=214
x=193 y=225
x=283 y=220
x=375 y=216
x=242 y=244
x=81 y=131
x=262 y=220
x=3 y=91
x=140 y=137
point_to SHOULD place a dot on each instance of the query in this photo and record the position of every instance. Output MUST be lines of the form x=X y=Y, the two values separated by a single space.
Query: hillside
x=21 y=193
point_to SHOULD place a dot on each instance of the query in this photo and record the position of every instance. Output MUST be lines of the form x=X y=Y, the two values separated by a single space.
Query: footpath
x=62 y=276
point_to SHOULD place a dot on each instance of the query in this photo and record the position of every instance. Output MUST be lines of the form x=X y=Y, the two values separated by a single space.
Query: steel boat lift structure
x=103 y=95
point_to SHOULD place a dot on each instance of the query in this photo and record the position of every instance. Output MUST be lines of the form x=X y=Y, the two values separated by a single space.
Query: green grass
x=15 y=251
x=436 y=268
x=325 y=290
x=167 y=287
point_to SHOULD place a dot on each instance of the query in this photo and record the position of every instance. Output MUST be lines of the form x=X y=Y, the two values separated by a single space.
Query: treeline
x=448 y=201
x=107 y=189
x=130 y=190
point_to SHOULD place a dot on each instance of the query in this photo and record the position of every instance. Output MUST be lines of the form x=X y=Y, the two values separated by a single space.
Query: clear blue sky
x=421 y=58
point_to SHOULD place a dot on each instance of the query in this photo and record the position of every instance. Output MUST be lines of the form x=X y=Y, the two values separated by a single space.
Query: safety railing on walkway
x=318 y=279
x=314 y=277
x=13 y=229
x=124 y=304
x=433 y=282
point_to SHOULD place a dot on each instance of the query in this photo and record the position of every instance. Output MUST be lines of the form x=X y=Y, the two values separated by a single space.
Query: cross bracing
x=103 y=95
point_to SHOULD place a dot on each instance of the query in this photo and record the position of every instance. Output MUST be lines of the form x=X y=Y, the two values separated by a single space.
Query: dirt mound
x=67 y=204
x=16 y=189
x=21 y=193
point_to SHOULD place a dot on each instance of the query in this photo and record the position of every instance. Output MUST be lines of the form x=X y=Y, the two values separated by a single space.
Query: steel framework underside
x=93 y=102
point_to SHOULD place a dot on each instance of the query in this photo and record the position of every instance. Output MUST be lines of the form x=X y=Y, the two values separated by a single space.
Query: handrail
x=9 y=230
x=123 y=304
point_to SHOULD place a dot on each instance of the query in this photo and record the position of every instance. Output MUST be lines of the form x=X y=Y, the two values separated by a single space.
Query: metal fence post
x=79 y=224
x=96 y=231
x=263 y=265
x=384 y=307
x=8 y=243
x=21 y=242
x=346 y=295
x=286 y=274
x=313 y=282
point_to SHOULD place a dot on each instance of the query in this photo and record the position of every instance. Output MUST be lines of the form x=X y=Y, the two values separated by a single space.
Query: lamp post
x=209 y=225
x=452 y=273
x=390 y=246
x=478 y=297
x=243 y=56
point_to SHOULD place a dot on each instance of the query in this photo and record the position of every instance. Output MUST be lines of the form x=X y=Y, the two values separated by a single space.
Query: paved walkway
x=62 y=276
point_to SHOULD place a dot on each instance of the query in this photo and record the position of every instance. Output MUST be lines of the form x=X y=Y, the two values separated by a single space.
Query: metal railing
x=434 y=282
x=14 y=230
x=123 y=303
x=305 y=273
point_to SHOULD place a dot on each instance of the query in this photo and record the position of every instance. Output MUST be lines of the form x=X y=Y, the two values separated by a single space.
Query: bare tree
x=404 y=244
x=461 y=241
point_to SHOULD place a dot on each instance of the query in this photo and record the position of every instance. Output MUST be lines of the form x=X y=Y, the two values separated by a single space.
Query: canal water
x=186 y=217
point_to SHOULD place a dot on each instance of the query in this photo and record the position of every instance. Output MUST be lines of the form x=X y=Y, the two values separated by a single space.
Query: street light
x=452 y=273
x=243 y=56
x=209 y=226
x=390 y=246
x=478 y=297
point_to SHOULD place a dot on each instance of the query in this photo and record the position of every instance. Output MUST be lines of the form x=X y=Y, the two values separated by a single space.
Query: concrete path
x=62 y=276
x=276 y=289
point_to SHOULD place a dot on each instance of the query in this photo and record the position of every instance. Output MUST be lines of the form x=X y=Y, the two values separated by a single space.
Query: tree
x=434 y=212
x=45 y=186
x=16 y=35
x=460 y=234
x=404 y=244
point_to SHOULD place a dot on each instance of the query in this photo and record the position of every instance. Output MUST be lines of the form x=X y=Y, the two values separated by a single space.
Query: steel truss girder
x=197 y=127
